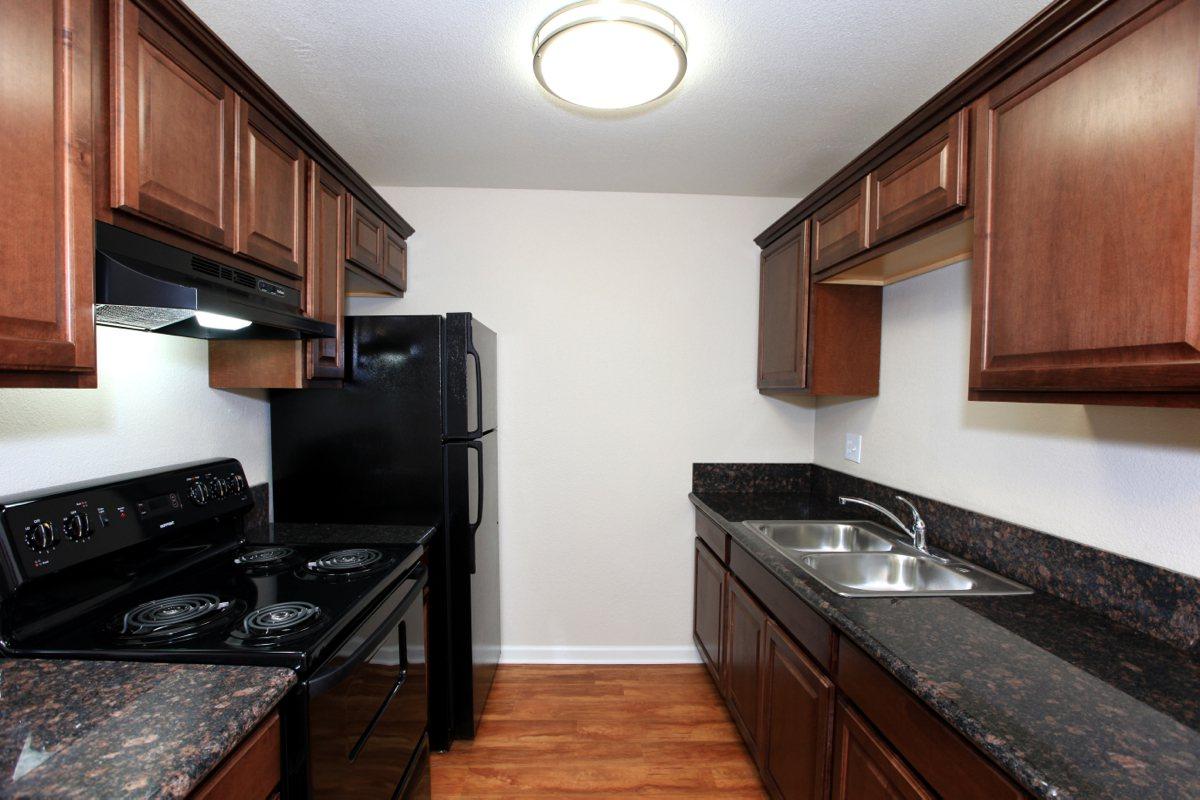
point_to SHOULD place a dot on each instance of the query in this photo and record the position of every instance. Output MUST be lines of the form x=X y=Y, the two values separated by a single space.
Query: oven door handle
x=332 y=675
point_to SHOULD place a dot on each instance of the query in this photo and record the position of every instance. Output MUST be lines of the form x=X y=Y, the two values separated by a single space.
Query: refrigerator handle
x=474 y=354
x=474 y=526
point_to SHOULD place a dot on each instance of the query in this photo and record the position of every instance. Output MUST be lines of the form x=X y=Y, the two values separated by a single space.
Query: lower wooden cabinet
x=866 y=768
x=797 y=720
x=745 y=629
x=708 y=604
x=251 y=772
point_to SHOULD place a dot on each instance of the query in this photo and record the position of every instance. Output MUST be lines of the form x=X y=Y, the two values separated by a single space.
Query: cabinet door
x=1086 y=259
x=865 y=768
x=708 y=602
x=839 y=228
x=270 y=193
x=326 y=282
x=365 y=238
x=173 y=131
x=395 y=260
x=745 y=626
x=46 y=245
x=927 y=180
x=797 y=724
x=783 y=315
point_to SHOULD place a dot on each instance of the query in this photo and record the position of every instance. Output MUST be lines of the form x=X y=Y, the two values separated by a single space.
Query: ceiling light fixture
x=610 y=54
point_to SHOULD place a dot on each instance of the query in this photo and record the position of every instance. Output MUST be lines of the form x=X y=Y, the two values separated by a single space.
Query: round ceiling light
x=610 y=54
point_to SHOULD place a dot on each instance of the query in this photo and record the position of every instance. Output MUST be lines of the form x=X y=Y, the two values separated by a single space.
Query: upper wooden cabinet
x=1087 y=279
x=377 y=253
x=327 y=271
x=366 y=239
x=925 y=181
x=839 y=228
x=46 y=230
x=271 y=174
x=783 y=314
x=172 y=131
x=395 y=260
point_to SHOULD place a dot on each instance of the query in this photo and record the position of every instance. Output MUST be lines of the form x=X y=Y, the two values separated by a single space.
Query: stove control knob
x=41 y=537
x=216 y=488
x=77 y=527
x=237 y=483
x=198 y=493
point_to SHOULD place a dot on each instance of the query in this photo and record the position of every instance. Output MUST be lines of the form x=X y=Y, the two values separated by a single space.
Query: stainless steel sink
x=862 y=559
x=827 y=537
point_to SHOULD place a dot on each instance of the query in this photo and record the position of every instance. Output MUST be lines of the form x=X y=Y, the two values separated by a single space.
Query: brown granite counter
x=115 y=729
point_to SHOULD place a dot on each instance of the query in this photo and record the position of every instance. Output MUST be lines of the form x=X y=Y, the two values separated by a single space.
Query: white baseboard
x=568 y=654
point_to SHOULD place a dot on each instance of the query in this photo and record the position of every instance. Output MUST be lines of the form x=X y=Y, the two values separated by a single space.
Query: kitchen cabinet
x=1087 y=273
x=365 y=241
x=839 y=228
x=271 y=174
x=46 y=60
x=709 y=602
x=867 y=768
x=251 y=772
x=376 y=254
x=395 y=260
x=327 y=270
x=814 y=338
x=172 y=131
x=745 y=627
x=797 y=720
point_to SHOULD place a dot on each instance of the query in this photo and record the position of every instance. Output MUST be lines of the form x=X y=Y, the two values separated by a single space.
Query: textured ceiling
x=778 y=94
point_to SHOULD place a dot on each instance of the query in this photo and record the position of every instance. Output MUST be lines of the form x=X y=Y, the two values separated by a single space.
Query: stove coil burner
x=344 y=562
x=172 y=619
x=273 y=623
x=265 y=557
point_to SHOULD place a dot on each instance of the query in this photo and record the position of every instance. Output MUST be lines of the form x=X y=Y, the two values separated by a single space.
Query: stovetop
x=276 y=604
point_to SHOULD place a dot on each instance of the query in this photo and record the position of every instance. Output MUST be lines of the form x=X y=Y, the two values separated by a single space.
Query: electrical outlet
x=854 y=447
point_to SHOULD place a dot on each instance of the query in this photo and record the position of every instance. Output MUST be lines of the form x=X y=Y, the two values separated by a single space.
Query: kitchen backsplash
x=1151 y=599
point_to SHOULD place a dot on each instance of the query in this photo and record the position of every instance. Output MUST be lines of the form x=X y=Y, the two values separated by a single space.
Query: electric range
x=154 y=566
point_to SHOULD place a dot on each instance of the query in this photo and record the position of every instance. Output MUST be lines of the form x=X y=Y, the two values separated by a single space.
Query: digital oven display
x=157 y=506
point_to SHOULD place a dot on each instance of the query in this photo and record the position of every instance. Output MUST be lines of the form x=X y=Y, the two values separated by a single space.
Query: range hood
x=146 y=285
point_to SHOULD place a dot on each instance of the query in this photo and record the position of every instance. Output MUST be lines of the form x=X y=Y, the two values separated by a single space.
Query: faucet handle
x=918 y=523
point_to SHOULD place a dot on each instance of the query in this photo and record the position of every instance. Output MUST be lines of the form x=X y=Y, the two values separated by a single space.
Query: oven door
x=367 y=705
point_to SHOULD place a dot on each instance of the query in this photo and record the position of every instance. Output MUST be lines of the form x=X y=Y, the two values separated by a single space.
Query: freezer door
x=470 y=377
x=474 y=541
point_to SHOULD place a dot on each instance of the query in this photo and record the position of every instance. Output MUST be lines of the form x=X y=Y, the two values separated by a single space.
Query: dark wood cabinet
x=271 y=174
x=866 y=768
x=745 y=628
x=46 y=230
x=925 y=181
x=326 y=270
x=839 y=228
x=395 y=260
x=708 y=604
x=1087 y=271
x=172 y=130
x=783 y=314
x=797 y=721
x=253 y=771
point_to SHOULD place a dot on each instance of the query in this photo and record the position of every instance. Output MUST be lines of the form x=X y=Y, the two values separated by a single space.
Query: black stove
x=155 y=567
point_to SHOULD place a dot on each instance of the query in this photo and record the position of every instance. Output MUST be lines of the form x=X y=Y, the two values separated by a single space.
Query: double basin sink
x=863 y=559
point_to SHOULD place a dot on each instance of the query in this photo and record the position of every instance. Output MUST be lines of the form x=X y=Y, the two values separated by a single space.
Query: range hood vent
x=143 y=284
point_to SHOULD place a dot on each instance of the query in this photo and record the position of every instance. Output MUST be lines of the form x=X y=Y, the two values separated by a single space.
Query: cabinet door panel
x=326 y=271
x=1086 y=273
x=745 y=626
x=270 y=193
x=839 y=228
x=783 y=315
x=365 y=238
x=173 y=131
x=46 y=239
x=923 y=182
x=797 y=725
x=866 y=768
x=708 y=602
x=395 y=260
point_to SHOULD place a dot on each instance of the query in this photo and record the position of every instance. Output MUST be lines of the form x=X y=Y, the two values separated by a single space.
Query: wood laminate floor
x=600 y=731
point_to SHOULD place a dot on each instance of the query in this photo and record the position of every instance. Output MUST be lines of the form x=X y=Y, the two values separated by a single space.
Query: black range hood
x=146 y=285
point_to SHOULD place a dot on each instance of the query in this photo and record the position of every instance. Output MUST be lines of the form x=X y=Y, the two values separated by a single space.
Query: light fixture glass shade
x=610 y=54
x=220 y=321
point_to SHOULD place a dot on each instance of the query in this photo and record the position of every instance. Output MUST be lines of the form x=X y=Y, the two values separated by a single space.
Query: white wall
x=153 y=408
x=1120 y=479
x=627 y=328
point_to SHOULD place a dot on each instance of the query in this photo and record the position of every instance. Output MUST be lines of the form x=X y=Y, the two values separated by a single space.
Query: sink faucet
x=916 y=532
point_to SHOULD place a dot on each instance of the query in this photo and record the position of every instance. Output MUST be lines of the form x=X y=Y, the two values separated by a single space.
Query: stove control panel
x=72 y=525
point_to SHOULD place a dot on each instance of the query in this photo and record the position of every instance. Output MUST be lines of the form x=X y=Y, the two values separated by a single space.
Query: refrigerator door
x=470 y=377
x=474 y=542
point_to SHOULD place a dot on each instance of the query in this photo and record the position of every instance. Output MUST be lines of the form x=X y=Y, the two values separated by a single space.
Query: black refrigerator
x=410 y=438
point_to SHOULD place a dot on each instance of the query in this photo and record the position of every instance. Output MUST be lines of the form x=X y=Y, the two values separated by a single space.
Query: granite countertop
x=109 y=729
x=1069 y=703
x=338 y=534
